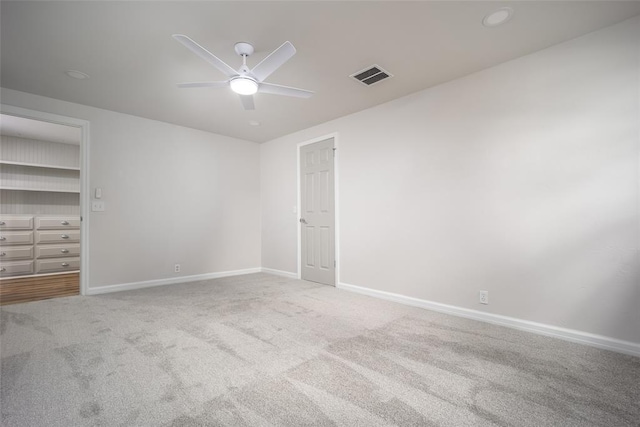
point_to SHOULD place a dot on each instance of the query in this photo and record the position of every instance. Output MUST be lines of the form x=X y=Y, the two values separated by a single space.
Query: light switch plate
x=97 y=206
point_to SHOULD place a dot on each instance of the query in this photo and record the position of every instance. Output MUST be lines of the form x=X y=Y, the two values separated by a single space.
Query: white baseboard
x=599 y=341
x=173 y=280
x=280 y=273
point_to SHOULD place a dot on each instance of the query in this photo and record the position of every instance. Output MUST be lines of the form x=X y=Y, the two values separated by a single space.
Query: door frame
x=336 y=204
x=84 y=176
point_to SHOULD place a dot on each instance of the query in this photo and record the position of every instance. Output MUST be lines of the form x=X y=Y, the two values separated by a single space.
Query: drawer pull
x=64 y=236
x=3 y=253
x=2 y=239
x=64 y=251
x=2 y=270
x=65 y=264
x=64 y=222
x=2 y=223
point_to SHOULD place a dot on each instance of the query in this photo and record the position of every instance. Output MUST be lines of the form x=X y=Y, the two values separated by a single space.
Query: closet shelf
x=46 y=190
x=38 y=165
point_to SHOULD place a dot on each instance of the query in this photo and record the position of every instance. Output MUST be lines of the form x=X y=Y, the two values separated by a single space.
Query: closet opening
x=41 y=215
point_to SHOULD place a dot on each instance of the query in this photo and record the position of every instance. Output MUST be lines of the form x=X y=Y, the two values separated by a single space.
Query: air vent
x=371 y=75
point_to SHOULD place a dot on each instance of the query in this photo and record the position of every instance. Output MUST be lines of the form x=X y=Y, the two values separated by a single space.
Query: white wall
x=521 y=179
x=173 y=195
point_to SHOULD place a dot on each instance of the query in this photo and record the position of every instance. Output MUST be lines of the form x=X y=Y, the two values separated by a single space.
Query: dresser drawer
x=57 y=222
x=57 y=264
x=10 y=253
x=16 y=268
x=53 y=251
x=61 y=236
x=16 y=222
x=16 y=238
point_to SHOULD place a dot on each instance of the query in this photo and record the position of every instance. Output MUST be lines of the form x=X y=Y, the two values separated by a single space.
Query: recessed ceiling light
x=76 y=74
x=497 y=17
x=254 y=123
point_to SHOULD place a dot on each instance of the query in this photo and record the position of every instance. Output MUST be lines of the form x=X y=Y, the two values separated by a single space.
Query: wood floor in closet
x=15 y=290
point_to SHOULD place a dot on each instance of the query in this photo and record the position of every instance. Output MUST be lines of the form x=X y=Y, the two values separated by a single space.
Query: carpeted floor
x=261 y=350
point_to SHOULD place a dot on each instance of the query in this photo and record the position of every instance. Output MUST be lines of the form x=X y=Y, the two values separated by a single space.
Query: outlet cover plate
x=97 y=206
x=483 y=297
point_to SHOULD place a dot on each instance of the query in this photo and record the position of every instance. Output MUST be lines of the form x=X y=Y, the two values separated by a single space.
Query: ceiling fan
x=244 y=81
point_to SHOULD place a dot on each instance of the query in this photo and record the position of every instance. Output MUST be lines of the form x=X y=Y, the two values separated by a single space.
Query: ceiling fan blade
x=204 y=84
x=284 y=90
x=247 y=102
x=272 y=62
x=206 y=55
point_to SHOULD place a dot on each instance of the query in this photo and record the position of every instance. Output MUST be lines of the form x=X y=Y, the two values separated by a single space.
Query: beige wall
x=173 y=195
x=521 y=180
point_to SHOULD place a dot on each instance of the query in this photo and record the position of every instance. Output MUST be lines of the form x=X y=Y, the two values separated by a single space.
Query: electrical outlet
x=176 y=268
x=483 y=297
x=97 y=206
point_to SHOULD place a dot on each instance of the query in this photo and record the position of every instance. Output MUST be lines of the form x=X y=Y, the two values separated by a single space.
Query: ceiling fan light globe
x=244 y=86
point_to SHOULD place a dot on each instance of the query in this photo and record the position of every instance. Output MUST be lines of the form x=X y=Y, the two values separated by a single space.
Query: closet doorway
x=41 y=218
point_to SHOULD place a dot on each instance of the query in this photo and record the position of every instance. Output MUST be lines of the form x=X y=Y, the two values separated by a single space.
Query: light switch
x=97 y=206
x=98 y=193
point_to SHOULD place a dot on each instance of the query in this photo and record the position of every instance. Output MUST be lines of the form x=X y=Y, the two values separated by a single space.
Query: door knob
x=303 y=221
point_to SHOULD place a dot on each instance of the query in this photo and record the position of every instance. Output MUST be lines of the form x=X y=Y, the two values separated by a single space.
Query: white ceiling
x=134 y=64
x=42 y=131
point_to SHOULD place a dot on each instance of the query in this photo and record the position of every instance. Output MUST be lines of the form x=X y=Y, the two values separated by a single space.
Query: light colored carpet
x=264 y=350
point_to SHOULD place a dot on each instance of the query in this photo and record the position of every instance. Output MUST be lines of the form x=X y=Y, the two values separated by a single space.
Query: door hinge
x=334 y=152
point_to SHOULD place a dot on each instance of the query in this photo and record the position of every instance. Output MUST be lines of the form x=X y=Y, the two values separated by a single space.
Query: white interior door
x=317 y=213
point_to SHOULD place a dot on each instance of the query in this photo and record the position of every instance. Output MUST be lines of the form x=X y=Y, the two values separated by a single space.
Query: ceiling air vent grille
x=371 y=75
